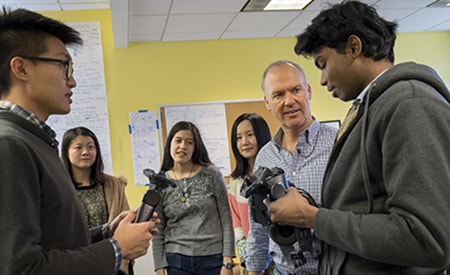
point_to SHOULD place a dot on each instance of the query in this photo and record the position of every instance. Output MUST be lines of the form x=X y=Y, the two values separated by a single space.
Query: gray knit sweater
x=201 y=225
x=43 y=230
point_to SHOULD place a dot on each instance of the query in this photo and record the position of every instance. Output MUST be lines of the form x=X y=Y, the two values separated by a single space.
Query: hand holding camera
x=293 y=209
x=272 y=184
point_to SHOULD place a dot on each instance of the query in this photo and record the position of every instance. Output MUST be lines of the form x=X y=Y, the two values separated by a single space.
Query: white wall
x=144 y=264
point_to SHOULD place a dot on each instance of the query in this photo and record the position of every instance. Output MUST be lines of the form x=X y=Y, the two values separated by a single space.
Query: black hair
x=262 y=134
x=97 y=167
x=332 y=27
x=24 y=33
x=200 y=155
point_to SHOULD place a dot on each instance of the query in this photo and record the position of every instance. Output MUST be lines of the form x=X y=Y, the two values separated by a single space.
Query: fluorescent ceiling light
x=269 y=5
x=439 y=4
x=287 y=4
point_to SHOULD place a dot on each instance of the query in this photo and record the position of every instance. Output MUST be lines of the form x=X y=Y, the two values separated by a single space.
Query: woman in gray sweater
x=196 y=233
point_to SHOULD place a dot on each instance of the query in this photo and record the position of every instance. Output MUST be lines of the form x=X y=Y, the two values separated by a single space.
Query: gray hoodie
x=386 y=189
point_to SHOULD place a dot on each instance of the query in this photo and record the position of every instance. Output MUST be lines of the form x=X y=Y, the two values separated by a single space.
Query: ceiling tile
x=37 y=6
x=300 y=23
x=395 y=15
x=180 y=23
x=398 y=4
x=189 y=36
x=425 y=19
x=28 y=2
x=149 y=7
x=260 y=21
x=144 y=24
x=85 y=2
x=172 y=20
x=209 y=6
x=85 y=6
x=318 y=5
x=444 y=26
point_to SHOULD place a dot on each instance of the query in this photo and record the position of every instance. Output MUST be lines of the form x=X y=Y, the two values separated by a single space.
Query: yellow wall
x=146 y=75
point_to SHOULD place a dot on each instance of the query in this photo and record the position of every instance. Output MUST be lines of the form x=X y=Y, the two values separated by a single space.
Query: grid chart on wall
x=143 y=129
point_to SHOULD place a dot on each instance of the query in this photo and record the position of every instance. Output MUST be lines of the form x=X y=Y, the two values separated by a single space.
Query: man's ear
x=309 y=90
x=354 y=45
x=266 y=102
x=18 y=68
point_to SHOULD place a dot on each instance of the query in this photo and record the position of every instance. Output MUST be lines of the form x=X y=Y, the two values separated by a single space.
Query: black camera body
x=272 y=184
x=152 y=197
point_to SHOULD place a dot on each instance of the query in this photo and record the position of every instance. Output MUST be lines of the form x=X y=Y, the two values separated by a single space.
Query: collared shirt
x=16 y=109
x=359 y=99
x=117 y=253
x=115 y=244
x=305 y=169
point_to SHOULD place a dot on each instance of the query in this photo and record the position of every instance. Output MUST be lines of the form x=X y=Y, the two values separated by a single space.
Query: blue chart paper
x=144 y=144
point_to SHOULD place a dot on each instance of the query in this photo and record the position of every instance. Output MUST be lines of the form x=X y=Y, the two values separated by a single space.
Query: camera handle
x=259 y=209
x=307 y=242
x=285 y=236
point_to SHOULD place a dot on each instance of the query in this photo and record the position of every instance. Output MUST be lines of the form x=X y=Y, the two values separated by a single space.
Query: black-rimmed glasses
x=68 y=64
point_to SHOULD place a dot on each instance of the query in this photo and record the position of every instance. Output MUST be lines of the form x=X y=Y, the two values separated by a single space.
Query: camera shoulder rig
x=266 y=183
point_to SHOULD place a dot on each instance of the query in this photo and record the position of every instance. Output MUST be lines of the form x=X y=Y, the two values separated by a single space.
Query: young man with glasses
x=43 y=230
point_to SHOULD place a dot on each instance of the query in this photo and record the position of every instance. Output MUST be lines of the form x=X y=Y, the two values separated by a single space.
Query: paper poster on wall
x=211 y=122
x=143 y=129
x=90 y=105
x=333 y=123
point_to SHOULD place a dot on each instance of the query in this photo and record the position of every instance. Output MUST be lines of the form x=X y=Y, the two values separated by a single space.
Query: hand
x=134 y=238
x=113 y=225
x=225 y=271
x=293 y=209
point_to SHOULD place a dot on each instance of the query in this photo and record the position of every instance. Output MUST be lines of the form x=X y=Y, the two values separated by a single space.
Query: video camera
x=152 y=197
x=272 y=184
x=157 y=181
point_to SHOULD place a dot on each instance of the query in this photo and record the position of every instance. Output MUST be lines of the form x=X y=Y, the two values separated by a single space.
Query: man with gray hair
x=300 y=147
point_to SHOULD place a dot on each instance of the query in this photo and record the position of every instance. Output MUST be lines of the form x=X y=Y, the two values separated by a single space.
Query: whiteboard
x=90 y=105
x=211 y=121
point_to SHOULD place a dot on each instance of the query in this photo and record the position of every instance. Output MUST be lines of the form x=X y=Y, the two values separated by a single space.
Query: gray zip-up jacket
x=386 y=190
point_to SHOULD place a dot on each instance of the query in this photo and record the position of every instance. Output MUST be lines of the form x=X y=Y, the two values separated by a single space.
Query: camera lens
x=282 y=234
x=277 y=191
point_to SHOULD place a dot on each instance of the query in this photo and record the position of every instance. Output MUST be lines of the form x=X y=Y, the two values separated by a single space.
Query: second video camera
x=266 y=183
